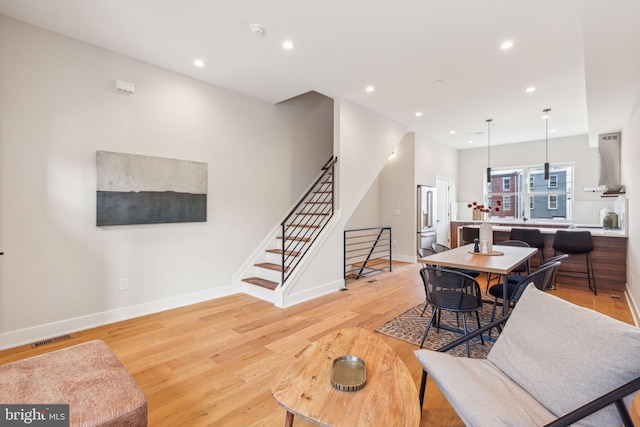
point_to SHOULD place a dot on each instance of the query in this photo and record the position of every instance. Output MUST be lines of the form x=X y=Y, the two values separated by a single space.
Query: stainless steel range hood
x=609 y=158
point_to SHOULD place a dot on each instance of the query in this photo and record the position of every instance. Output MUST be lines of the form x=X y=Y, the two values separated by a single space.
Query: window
x=524 y=192
x=506 y=203
x=506 y=184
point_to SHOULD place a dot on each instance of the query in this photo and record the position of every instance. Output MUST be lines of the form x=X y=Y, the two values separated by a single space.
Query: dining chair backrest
x=541 y=278
x=451 y=290
x=440 y=247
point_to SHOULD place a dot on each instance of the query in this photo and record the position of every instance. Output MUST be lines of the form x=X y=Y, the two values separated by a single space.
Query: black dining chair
x=522 y=269
x=542 y=277
x=577 y=243
x=437 y=247
x=451 y=291
x=515 y=279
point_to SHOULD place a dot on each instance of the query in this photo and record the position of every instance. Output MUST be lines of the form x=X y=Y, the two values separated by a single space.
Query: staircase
x=297 y=233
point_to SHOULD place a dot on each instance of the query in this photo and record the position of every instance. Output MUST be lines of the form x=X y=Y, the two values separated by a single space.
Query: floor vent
x=50 y=341
x=372 y=281
x=616 y=297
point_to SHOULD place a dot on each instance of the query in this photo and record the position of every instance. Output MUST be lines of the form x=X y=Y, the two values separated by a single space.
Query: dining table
x=501 y=260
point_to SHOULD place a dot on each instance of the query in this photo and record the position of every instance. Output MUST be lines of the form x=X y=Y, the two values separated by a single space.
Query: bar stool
x=532 y=236
x=576 y=243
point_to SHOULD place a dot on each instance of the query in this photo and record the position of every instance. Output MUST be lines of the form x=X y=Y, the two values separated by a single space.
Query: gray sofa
x=551 y=358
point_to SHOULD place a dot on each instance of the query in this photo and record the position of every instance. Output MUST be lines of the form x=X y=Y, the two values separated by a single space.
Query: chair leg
x=478 y=319
x=493 y=312
x=590 y=276
x=464 y=328
x=423 y=385
x=424 y=309
x=433 y=313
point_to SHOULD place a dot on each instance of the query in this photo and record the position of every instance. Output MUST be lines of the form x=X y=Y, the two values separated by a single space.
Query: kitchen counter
x=609 y=255
x=546 y=227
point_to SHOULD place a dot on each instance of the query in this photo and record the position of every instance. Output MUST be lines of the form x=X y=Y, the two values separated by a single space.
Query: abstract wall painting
x=134 y=189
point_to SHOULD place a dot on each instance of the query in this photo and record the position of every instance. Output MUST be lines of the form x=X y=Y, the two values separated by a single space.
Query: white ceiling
x=583 y=56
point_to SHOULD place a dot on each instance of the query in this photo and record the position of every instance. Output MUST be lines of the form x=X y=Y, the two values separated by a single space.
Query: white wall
x=631 y=180
x=367 y=213
x=58 y=106
x=417 y=160
x=398 y=199
x=363 y=145
x=575 y=149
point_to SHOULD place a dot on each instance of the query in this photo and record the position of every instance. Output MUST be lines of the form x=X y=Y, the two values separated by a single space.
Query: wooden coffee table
x=389 y=397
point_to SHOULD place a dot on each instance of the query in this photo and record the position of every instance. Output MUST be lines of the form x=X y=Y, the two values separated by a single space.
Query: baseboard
x=308 y=294
x=633 y=307
x=405 y=258
x=69 y=326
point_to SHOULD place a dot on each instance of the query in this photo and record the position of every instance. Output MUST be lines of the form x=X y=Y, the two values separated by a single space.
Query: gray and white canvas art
x=134 y=189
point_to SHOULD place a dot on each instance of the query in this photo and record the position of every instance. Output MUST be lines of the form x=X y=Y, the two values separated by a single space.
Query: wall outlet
x=124 y=284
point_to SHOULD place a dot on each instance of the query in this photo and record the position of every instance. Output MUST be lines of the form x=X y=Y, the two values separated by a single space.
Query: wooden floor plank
x=212 y=363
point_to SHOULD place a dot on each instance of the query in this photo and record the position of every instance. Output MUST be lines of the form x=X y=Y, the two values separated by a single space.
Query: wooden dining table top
x=463 y=257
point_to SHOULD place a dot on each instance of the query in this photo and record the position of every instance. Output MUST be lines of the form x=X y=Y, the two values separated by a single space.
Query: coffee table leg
x=288 y=422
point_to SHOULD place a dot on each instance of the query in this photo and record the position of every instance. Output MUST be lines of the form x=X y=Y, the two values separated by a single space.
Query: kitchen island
x=609 y=255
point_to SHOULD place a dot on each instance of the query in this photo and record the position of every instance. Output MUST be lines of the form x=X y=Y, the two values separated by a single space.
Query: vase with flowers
x=486 y=231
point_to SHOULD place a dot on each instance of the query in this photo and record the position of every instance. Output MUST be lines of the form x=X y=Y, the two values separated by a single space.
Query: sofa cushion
x=565 y=355
x=88 y=377
x=480 y=393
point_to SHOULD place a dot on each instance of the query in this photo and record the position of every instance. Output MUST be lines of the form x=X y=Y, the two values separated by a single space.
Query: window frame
x=526 y=184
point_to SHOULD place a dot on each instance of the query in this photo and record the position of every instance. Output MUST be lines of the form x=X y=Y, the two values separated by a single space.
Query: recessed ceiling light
x=552 y=131
x=531 y=89
x=287 y=44
x=508 y=44
x=370 y=89
x=470 y=142
x=198 y=63
x=439 y=82
x=452 y=132
x=418 y=114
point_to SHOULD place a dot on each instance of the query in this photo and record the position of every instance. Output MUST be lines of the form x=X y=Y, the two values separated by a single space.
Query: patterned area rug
x=410 y=327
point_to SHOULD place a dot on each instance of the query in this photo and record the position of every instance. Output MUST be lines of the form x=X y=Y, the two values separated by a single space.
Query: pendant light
x=546 y=143
x=489 y=151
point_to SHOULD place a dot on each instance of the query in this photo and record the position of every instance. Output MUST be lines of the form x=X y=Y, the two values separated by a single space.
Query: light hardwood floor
x=211 y=364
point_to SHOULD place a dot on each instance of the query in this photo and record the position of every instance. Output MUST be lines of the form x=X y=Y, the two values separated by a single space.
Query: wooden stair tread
x=279 y=251
x=312 y=213
x=303 y=225
x=271 y=266
x=264 y=283
x=298 y=239
x=371 y=262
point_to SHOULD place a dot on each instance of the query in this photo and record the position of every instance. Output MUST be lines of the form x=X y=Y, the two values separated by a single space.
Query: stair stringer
x=286 y=295
x=258 y=255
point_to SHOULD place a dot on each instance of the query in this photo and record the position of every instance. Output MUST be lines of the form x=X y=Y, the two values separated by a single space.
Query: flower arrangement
x=482 y=209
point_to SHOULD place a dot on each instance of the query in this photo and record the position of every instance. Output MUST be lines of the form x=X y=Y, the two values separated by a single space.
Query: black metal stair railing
x=366 y=251
x=307 y=219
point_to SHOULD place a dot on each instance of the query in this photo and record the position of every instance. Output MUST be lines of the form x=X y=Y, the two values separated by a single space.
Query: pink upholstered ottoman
x=89 y=377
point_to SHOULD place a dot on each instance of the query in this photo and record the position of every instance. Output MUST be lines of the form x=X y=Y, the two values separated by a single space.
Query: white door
x=443 y=213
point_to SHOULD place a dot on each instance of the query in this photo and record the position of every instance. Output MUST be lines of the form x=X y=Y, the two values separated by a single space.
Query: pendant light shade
x=546 y=143
x=489 y=151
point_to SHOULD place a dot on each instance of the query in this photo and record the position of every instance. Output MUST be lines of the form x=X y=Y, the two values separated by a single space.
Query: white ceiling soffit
x=580 y=55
